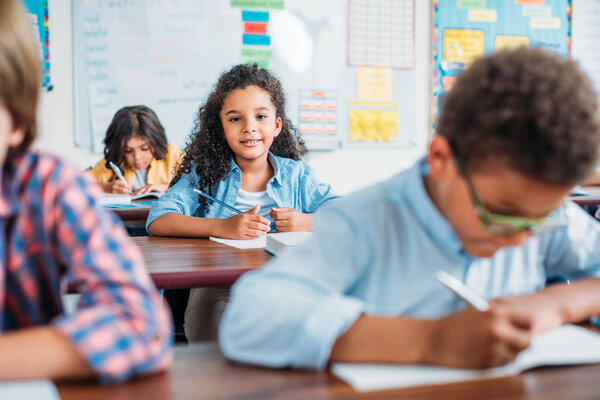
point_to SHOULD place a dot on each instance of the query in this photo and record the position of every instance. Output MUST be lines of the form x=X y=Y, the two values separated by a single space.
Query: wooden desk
x=178 y=263
x=201 y=372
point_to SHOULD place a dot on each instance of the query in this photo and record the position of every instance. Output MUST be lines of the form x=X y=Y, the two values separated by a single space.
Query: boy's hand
x=476 y=339
x=245 y=226
x=157 y=187
x=118 y=186
x=290 y=220
x=544 y=309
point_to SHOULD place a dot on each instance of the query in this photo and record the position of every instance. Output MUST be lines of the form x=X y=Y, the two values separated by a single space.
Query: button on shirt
x=52 y=231
x=377 y=252
x=293 y=185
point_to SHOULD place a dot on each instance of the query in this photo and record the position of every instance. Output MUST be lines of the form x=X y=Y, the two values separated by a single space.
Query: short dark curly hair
x=207 y=150
x=526 y=107
x=134 y=121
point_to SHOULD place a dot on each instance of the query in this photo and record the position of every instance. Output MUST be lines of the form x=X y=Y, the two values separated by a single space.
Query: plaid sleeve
x=121 y=326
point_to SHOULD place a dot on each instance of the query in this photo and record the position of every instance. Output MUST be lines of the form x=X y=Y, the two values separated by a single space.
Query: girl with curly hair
x=136 y=142
x=245 y=152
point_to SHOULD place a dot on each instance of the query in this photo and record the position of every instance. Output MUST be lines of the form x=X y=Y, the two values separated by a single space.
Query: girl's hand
x=157 y=187
x=476 y=339
x=290 y=220
x=118 y=186
x=245 y=226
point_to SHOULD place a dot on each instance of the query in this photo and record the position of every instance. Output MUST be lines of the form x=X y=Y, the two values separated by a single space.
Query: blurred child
x=53 y=231
x=487 y=204
x=136 y=143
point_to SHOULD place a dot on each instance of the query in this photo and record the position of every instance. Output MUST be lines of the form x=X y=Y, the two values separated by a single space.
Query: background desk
x=592 y=199
x=178 y=263
x=201 y=372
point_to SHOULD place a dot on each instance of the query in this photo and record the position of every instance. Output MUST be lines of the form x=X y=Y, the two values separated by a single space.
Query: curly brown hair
x=207 y=151
x=529 y=108
x=129 y=122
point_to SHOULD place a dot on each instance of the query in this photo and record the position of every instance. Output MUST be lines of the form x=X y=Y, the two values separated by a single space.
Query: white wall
x=346 y=169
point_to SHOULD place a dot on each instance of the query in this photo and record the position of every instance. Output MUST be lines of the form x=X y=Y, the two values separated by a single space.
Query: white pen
x=462 y=291
x=117 y=171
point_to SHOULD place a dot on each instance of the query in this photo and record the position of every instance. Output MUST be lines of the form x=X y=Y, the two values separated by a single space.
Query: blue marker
x=117 y=171
x=209 y=197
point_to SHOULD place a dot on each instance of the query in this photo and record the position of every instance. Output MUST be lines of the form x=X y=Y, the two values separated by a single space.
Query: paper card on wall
x=483 y=15
x=374 y=83
x=463 y=45
x=539 y=2
x=544 y=23
x=536 y=11
x=274 y=4
x=510 y=42
x=373 y=121
x=471 y=3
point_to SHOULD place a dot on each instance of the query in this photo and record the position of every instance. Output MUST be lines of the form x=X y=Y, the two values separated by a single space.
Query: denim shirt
x=293 y=185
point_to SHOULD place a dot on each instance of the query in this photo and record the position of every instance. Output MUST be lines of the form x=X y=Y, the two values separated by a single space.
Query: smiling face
x=501 y=190
x=138 y=154
x=250 y=123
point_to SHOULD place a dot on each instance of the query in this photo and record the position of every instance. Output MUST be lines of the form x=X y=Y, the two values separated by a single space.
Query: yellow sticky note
x=463 y=45
x=374 y=83
x=511 y=42
x=375 y=121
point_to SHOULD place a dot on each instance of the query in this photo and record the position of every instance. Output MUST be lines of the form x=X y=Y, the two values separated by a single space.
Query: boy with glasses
x=487 y=205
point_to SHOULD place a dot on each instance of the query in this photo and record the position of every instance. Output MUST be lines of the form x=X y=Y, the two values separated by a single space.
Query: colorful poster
x=381 y=33
x=37 y=14
x=467 y=29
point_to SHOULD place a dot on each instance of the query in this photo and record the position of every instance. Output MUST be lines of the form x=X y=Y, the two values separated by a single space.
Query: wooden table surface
x=201 y=372
x=176 y=263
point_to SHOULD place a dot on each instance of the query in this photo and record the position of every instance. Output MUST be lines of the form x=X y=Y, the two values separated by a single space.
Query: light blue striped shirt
x=377 y=252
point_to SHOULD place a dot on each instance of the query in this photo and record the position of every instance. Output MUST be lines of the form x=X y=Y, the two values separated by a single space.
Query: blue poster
x=464 y=30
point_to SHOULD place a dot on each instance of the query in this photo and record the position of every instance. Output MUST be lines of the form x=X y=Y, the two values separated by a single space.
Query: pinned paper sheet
x=374 y=83
x=375 y=121
x=545 y=23
x=510 y=42
x=483 y=15
x=463 y=45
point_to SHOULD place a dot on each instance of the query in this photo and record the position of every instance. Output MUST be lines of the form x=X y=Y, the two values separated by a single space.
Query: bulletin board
x=347 y=66
x=464 y=30
x=37 y=15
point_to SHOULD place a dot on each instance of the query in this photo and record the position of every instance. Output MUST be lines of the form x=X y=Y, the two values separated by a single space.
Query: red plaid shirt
x=53 y=230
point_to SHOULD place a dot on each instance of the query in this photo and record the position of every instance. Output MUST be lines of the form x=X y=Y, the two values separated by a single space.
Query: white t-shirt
x=141 y=179
x=247 y=200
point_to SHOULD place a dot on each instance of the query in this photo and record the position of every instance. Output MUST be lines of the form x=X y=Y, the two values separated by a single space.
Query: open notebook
x=565 y=345
x=274 y=243
x=113 y=198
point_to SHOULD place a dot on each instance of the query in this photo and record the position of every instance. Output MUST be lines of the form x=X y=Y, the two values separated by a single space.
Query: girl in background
x=136 y=143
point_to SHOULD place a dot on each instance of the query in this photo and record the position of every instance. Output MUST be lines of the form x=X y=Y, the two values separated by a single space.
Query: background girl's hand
x=290 y=220
x=245 y=226
x=157 y=187
x=476 y=339
x=544 y=310
x=118 y=186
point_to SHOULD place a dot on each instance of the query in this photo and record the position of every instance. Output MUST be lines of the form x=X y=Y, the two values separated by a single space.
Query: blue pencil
x=209 y=197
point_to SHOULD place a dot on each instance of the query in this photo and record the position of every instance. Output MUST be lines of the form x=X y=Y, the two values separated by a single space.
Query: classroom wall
x=346 y=169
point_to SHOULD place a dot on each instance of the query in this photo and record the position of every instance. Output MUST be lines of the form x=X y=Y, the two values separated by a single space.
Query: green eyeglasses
x=500 y=224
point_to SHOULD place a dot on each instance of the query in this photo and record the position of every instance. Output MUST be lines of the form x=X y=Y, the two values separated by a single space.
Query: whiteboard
x=167 y=54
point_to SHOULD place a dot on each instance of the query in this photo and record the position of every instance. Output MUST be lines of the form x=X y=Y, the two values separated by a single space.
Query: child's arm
x=466 y=339
x=116 y=186
x=240 y=226
x=40 y=352
x=290 y=220
x=559 y=304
